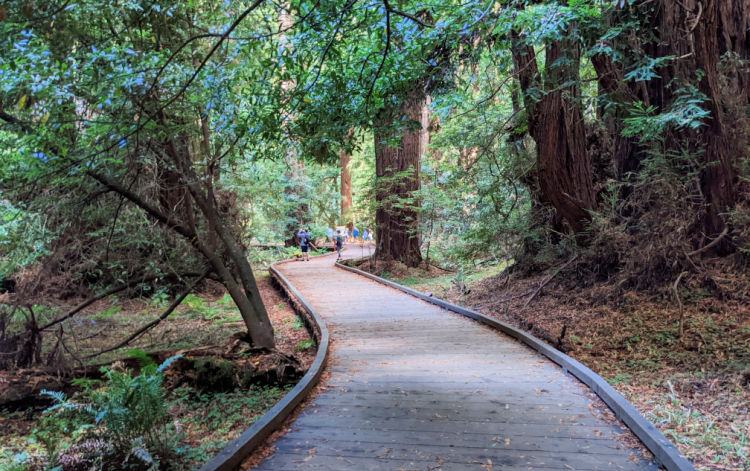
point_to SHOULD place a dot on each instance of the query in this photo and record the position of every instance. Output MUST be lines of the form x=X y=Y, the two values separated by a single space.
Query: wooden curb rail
x=232 y=455
x=666 y=454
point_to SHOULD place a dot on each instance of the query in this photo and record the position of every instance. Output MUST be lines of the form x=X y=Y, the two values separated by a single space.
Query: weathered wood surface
x=415 y=387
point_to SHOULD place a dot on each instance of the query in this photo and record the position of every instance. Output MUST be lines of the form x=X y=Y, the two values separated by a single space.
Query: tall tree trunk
x=626 y=153
x=700 y=34
x=346 y=188
x=719 y=175
x=294 y=191
x=397 y=172
x=555 y=122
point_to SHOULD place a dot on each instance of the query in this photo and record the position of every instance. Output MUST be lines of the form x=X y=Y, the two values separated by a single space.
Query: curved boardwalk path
x=415 y=387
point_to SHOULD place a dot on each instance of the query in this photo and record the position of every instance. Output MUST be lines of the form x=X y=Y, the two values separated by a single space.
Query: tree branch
x=91 y=301
x=152 y=210
x=711 y=244
x=387 y=48
x=406 y=15
x=158 y=320
x=544 y=283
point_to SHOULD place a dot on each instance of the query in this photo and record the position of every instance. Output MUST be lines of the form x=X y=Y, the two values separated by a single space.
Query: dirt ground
x=694 y=387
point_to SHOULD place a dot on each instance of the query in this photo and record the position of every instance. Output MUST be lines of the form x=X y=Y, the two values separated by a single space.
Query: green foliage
x=109 y=312
x=298 y=324
x=15 y=461
x=687 y=112
x=127 y=416
x=24 y=238
x=224 y=310
x=160 y=297
x=223 y=415
x=304 y=345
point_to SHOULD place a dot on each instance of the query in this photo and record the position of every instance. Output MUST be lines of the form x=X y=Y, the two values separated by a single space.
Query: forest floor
x=696 y=389
x=211 y=410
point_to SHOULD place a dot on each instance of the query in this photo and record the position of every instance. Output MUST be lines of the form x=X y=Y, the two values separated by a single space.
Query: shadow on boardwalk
x=415 y=387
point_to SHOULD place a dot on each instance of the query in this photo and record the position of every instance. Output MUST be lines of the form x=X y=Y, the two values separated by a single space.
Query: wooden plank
x=413 y=386
x=496 y=416
x=506 y=440
x=499 y=458
x=293 y=462
x=577 y=431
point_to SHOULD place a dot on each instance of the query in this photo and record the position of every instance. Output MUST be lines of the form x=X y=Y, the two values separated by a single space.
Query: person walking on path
x=339 y=243
x=304 y=242
x=355 y=233
x=364 y=236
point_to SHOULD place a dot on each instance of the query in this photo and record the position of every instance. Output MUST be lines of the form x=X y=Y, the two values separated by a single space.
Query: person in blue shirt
x=355 y=233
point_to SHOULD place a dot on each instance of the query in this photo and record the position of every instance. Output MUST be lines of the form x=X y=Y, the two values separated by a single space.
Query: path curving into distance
x=413 y=386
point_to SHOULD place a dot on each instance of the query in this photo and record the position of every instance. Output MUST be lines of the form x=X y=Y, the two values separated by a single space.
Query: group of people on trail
x=366 y=235
x=305 y=240
x=354 y=236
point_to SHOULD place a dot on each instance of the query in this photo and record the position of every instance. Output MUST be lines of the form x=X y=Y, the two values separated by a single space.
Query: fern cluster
x=121 y=422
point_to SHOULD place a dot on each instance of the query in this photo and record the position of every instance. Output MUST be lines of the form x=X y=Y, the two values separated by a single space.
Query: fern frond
x=168 y=362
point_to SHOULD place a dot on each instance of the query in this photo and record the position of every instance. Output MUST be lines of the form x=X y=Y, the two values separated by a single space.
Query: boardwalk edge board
x=665 y=453
x=232 y=455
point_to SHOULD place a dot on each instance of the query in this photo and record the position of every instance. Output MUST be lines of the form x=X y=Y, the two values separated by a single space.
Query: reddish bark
x=396 y=218
x=346 y=190
x=697 y=35
x=719 y=176
x=555 y=122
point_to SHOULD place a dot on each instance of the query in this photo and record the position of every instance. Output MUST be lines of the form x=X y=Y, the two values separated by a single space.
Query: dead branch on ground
x=549 y=278
x=679 y=301
x=710 y=244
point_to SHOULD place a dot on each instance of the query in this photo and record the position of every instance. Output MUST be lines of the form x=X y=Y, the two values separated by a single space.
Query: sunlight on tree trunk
x=397 y=171
x=346 y=188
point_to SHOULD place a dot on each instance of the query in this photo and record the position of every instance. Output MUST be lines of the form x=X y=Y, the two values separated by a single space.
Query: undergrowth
x=131 y=421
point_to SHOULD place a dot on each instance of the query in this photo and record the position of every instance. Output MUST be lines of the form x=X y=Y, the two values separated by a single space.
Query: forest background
x=147 y=145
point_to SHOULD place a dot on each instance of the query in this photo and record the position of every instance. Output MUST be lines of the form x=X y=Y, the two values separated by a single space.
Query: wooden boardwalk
x=415 y=387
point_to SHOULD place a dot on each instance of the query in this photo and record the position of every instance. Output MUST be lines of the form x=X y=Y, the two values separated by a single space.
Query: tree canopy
x=146 y=138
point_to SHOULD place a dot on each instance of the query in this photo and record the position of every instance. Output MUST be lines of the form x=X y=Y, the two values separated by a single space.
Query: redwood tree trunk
x=555 y=122
x=346 y=191
x=719 y=175
x=700 y=34
x=298 y=213
x=397 y=171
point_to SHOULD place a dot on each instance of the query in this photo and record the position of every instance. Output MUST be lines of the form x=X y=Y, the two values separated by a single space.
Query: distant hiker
x=304 y=242
x=364 y=235
x=339 y=243
x=369 y=235
x=355 y=233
